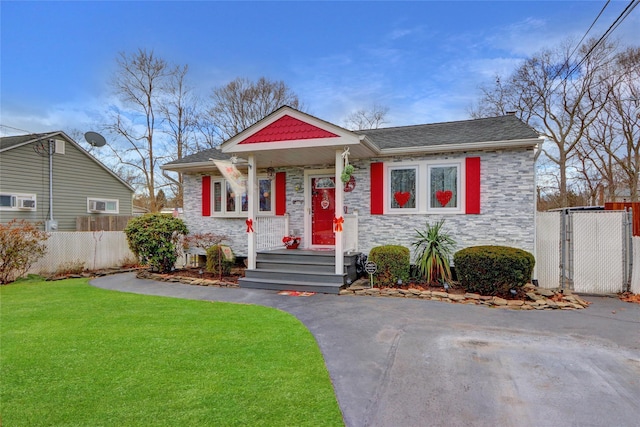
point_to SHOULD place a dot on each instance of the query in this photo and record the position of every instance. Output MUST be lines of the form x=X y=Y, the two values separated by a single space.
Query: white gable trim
x=345 y=137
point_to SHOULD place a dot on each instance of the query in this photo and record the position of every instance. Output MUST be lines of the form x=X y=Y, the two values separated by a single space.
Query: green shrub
x=433 y=250
x=153 y=239
x=21 y=244
x=493 y=270
x=393 y=263
x=217 y=262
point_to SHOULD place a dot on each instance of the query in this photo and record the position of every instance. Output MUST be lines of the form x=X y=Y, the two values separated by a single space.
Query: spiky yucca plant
x=433 y=249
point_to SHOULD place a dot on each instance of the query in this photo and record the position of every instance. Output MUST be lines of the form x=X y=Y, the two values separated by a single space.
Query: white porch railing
x=270 y=230
x=350 y=233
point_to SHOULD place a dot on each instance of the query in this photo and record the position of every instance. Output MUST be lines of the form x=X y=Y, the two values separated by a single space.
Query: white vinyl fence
x=94 y=249
x=635 y=268
x=586 y=251
x=547 y=269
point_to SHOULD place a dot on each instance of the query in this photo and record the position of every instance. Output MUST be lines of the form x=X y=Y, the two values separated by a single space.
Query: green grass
x=74 y=355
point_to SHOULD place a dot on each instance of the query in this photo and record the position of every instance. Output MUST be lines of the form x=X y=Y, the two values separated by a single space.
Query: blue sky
x=423 y=59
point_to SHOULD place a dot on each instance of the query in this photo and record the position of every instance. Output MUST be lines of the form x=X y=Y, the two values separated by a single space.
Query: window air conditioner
x=26 y=203
x=97 y=206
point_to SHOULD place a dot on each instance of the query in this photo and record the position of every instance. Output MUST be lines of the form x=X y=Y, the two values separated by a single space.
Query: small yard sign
x=370 y=267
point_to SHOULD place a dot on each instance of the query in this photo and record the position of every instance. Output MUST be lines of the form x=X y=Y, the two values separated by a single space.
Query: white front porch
x=304 y=268
x=270 y=230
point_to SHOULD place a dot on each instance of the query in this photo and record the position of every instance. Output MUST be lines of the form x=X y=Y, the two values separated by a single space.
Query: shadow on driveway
x=406 y=362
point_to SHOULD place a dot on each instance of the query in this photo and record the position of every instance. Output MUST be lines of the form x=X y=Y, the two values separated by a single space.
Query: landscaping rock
x=545 y=292
x=500 y=301
x=536 y=298
x=439 y=294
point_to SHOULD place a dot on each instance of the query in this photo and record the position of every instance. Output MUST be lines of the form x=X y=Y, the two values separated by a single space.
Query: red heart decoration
x=444 y=196
x=402 y=197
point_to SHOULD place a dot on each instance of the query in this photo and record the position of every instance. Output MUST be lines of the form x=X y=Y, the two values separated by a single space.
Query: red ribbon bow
x=249 y=223
x=338 y=222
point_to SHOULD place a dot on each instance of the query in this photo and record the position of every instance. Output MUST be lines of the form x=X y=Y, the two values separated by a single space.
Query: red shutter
x=206 y=196
x=281 y=193
x=377 y=188
x=472 y=185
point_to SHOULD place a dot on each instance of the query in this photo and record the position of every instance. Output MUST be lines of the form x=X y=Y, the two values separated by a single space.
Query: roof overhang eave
x=190 y=167
x=469 y=146
x=370 y=145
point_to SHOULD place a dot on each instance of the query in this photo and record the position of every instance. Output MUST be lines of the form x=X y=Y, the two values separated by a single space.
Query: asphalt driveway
x=404 y=362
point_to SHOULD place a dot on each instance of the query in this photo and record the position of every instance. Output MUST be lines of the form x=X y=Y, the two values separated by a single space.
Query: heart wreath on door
x=325 y=203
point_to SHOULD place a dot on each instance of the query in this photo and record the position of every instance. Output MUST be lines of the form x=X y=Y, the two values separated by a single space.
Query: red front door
x=323 y=208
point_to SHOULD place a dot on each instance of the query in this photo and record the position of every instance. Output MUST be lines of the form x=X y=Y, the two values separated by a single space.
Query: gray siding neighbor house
x=283 y=176
x=80 y=186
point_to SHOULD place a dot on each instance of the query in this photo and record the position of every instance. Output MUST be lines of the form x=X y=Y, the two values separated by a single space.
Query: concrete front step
x=299 y=270
x=319 y=267
x=296 y=285
x=292 y=276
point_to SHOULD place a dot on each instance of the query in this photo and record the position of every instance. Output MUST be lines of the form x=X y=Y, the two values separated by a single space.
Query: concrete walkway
x=405 y=362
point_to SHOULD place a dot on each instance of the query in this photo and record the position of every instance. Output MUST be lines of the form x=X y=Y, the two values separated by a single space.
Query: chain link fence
x=586 y=251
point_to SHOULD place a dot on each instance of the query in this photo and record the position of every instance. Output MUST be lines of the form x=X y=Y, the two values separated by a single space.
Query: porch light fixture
x=271 y=172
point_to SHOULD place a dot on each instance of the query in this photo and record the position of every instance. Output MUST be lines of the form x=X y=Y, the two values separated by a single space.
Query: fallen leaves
x=629 y=297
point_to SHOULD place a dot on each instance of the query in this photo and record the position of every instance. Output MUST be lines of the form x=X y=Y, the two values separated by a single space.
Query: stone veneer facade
x=507 y=206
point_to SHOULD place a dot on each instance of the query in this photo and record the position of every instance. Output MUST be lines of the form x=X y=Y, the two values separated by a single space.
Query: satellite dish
x=95 y=139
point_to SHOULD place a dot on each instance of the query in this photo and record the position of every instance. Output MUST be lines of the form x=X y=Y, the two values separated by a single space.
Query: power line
x=623 y=15
x=11 y=127
x=588 y=30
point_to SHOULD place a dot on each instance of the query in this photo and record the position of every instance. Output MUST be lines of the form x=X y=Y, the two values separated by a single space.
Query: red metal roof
x=287 y=128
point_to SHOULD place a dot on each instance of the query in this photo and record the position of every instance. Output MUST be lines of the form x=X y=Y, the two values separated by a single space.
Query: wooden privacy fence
x=621 y=206
x=94 y=250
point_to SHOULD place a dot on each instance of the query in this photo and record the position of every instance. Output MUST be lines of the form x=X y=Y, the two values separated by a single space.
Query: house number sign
x=370 y=267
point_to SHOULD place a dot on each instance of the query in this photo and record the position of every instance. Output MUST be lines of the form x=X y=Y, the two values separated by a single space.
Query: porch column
x=339 y=212
x=252 y=204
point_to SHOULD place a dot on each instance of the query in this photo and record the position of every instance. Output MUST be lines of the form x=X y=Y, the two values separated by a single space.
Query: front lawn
x=74 y=355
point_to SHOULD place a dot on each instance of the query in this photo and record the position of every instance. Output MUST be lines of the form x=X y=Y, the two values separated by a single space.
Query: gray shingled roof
x=201 y=157
x=492 y=129
x=8 y=142
x=503 y=128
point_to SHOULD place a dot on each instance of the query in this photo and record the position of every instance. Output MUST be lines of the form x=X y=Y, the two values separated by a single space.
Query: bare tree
x=623 y=110
x=495 y=100
x=138 y=84
x=611 y=144
x=242 y=103
x=179 y=113
x=363 y=119
x=558 y=96
x=154 y=124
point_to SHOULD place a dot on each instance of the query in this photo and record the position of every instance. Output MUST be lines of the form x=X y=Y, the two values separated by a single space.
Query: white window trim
x=272 y=211
x=105 y=201
x=423 y=187
x=238 y=212
x=388 y=199
x=15 y=202
x=459 y=190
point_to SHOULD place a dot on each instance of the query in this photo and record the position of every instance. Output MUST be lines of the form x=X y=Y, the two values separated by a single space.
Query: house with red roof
x=339 y=193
